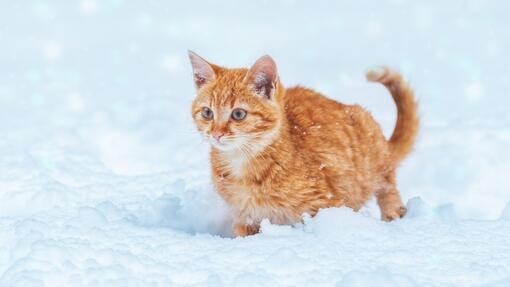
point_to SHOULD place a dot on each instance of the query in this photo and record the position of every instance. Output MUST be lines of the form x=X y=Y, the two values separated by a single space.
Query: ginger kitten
x=277 y=153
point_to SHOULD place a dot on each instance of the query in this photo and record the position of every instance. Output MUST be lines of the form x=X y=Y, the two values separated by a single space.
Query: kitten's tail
x=406 y=128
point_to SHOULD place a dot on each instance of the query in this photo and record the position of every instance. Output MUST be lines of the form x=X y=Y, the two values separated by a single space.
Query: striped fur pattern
x=296 y=151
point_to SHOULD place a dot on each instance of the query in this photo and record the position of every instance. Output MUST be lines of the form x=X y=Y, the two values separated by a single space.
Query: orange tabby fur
x=297 y=151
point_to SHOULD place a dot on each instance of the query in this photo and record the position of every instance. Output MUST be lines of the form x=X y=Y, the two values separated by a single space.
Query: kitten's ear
x=262 y=77
x=203 y=72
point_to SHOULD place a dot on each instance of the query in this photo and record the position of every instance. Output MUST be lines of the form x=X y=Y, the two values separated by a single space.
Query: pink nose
x=217 y=135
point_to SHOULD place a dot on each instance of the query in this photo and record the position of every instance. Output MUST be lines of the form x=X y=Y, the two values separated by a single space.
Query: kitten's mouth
x=224 y=144
x=220 y=144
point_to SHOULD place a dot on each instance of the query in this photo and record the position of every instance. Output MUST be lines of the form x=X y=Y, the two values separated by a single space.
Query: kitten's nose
x=217 y=135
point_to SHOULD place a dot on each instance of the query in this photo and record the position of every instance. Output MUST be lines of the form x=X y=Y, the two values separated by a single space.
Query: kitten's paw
x=392 y=214
x=242 y=229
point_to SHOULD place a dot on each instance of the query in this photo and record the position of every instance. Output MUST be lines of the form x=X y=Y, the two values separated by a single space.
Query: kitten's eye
x=238 y=114
x=207 y=113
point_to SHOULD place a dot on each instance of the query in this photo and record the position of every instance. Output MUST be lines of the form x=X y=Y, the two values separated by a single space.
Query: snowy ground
x=104 y=181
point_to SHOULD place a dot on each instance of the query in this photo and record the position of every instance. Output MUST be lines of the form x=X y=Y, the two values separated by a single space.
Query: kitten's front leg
x=243 y=229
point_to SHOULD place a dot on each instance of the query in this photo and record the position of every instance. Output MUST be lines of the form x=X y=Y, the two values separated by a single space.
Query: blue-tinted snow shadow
x=193 y=211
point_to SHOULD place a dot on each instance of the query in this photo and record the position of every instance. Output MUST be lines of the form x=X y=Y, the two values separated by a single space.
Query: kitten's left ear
x=263 y=76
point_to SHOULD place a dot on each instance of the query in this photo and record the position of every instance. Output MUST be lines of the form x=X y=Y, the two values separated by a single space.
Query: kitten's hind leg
x=390 y=204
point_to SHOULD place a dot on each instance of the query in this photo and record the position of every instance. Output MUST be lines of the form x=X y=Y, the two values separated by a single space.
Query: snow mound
x=505 y=214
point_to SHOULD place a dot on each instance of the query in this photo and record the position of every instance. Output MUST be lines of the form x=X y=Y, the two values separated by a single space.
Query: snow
x=104 y=180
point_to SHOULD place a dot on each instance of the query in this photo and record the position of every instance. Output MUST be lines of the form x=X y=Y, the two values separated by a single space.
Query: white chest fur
x=236 y=163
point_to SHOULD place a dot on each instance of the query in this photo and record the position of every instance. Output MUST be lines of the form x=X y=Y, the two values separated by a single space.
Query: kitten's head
x=237 y=109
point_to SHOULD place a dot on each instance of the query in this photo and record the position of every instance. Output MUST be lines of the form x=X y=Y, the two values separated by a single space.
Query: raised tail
x=406 y=128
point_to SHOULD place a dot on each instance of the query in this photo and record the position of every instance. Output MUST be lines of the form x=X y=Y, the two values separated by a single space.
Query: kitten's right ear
x=203 y=72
